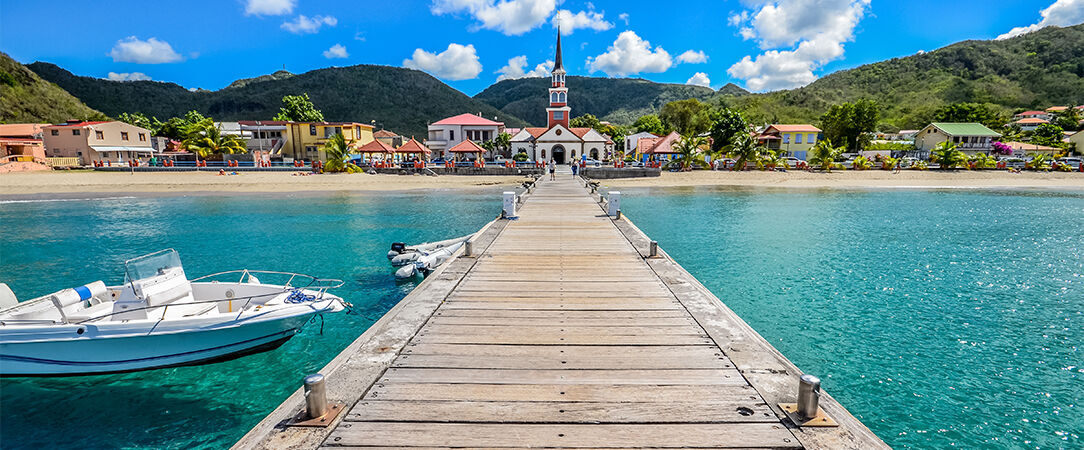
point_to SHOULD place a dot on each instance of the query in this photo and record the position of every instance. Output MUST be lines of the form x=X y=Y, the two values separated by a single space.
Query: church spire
x=557 y=64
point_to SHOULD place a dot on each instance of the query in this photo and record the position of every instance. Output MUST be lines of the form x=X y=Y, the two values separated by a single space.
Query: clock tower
x=558 y=111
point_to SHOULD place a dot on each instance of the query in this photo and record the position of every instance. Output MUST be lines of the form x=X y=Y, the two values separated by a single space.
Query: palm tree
x=948 y=156
x=337 y=149
x=825 y=155
x=744 y=149
x=204 y=139
x=861 y=163
x=983 y=161
x=689 y=153
x=1039 y=161
x=771 y=160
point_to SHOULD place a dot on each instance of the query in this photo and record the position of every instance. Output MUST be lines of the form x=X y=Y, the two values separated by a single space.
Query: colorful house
x=22 y=139
x=795 y=140
x=1030 y=123
x=114 y=141
x=447 y=133
x=969 y=137
x=302 y=140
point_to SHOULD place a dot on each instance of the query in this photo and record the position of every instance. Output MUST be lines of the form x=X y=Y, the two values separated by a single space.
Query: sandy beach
x=88 y=182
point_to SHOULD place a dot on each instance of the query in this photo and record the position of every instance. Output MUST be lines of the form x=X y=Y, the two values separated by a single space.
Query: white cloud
x=699 y=79
x=1061 y=13
x=624 y=17
x=458 y=62
x=692 y=57
x=516 y=68
x=128 y=76
x=269 y=7
x=303 y=24
x=582 y=20
x=336 y=51
x=511 y=17
x=150 y=51
x=630 y=54
x=805 y=35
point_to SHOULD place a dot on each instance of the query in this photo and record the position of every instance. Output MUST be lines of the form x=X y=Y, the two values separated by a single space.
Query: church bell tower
x=558 y=111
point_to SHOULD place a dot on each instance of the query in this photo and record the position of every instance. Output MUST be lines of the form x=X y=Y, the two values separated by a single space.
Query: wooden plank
x=692 y=411
x=562 y=329
x=562 y=339
x=545 y=376
x=487 y=392
x=652 y=361
x=740 y=435
x=630 y=353
x=559 y=315
x=572 y=321
x=563 y=306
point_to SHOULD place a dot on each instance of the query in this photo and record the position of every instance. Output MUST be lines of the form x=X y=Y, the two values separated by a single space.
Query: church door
x=558 y=154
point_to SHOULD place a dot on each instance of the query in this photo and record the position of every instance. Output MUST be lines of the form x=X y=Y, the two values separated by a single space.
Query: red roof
x=79 y=124
x=794 y=128
x=467 y=119
x=663 y=144
x=413 y=146
x=385 y=134
x=1032 y=113
x=1057 y=108
x=536 y=131
x=467 y=146
x=1031 y=120
x=376 y=146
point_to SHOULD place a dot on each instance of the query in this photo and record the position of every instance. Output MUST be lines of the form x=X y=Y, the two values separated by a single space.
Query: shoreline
x=62 y=185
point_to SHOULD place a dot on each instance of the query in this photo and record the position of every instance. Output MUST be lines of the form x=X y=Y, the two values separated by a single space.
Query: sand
x=860 y=179
x=76 y=183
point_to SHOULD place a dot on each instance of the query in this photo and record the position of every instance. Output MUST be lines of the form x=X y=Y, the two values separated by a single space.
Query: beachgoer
x=221 y=172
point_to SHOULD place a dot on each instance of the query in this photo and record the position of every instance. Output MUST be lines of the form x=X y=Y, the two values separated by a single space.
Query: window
x=312 y=130
x=558 y=115
x=99 y=135
x=55 y=132
x=451 y=135
x=310 y=149
x=561 y=96
x=798 y=138
x=142 y=137
x=124 y=135
x=357 y=131
x=553 y=97
x=543 y=154
x=786 y=138
x=812 y=138
x=956 y=139
x=75 y=132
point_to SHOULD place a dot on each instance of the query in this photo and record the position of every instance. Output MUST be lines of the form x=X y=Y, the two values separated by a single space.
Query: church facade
x=558 y=141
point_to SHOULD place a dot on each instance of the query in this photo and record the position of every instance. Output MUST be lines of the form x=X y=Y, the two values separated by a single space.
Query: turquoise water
x=938 y=318
x=47 y=246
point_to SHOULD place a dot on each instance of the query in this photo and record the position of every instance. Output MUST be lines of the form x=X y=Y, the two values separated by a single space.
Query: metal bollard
x=468 y=247
x=654 y=249
x=809 y=396
x=618 y=215
x=315 y=396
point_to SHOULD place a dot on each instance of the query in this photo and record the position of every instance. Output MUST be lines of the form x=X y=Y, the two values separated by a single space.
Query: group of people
x=553 y=169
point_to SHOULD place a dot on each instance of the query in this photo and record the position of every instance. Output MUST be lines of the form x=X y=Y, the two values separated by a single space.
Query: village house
x=389 y=137
x=632 y=143
x=969 y=138
x=1030 y=123
x=302 y=140
x=22 y=139
x=1032 y=115
x=447 y=133
x=114 y=141
x=794 y=140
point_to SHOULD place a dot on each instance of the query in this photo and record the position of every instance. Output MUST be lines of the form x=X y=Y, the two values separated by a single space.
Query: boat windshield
x=152 y=265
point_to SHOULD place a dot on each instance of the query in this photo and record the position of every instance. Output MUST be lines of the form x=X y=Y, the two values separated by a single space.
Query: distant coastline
x=861 y=179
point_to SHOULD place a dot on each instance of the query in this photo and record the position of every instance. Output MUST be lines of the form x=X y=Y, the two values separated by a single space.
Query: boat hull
x=99 y=350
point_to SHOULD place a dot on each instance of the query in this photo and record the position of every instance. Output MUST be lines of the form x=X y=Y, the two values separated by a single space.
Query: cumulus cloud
x=517 y=68
x=630 y=54
x=269 y=7
x=1061 y=13
x=128 y=76
x=303 y=24
x=810 y=32
x=582 y=20
x=692 y=57
x=150 y=51
x=336 y=51
x=699 y=79
x=511 y=17
x=458 y=62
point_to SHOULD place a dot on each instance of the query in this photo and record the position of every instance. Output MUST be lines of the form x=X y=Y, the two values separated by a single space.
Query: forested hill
x=1036 y=70
x=618 y=100
x=25 y=97
x=403 y=100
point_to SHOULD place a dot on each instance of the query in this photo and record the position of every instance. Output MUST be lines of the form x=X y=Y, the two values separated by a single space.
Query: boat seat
x=70 y=301
x=95 y=311
x=168 y=288
x=7 y=298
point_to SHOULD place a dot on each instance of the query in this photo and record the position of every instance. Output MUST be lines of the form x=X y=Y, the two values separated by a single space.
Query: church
x=557 y=141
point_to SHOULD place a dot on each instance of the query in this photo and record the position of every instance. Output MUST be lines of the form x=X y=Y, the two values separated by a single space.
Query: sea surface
x=939 y=318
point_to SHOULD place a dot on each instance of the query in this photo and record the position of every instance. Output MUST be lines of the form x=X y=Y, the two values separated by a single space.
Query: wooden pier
x=561 y=331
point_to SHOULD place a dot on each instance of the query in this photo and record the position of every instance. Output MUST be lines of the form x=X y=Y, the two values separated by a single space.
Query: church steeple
x=557 y=113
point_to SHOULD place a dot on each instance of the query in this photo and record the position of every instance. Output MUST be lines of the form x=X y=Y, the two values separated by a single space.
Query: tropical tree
x=1039 y=161
x=887 y=162
x=825 y=155
x=948 y=156
x=771 y=160
x=725 y=123
x=744 y=149
x=1048 y=134
x=689 y=154
x=688 y=117
x=337 y=150
x=585 y=121
x=489 y=146
x=851 y=123
x=298 y=108
x=861 y=163
x=982 y=161
x=137 y=119
x=503 y=141
x=205 y=139
x=984 y=113
x=650 y=124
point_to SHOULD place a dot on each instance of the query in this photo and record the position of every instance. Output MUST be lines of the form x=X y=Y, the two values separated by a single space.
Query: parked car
x=1073 y=161
x=592 y=162
x=793 y=162
x=439 y=161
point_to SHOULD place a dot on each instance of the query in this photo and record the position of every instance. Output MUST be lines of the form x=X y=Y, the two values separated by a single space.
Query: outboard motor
x=396 y=248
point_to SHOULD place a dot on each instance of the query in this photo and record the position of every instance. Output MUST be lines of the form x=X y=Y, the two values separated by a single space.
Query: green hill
x=25 y=97
x=403 y=100
x=1036 y=70
x=618 y=100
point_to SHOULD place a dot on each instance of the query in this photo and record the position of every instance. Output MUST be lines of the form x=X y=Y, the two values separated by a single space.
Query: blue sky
x=758 y=44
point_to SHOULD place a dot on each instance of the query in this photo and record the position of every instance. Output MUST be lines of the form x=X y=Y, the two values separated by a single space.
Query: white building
x=632 y=141
x=446 y=133
x=558 y=141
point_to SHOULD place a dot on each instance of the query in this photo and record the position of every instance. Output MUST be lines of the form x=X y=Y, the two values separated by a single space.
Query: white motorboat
x=428 y=261
x=157 y=318
x=402 y=254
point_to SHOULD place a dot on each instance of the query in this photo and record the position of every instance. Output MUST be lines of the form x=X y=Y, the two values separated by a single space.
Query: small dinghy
x=157 y=318
x=402 y=254
x=428 y=262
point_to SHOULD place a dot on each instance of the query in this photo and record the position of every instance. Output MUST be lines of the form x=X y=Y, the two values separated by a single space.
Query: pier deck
x=558 y=332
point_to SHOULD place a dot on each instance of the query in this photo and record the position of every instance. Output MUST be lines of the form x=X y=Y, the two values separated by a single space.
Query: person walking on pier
x=575 y=168
x=553 y=169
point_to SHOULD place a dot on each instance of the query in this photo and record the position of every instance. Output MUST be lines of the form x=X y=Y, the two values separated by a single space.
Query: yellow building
x=303 y=140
